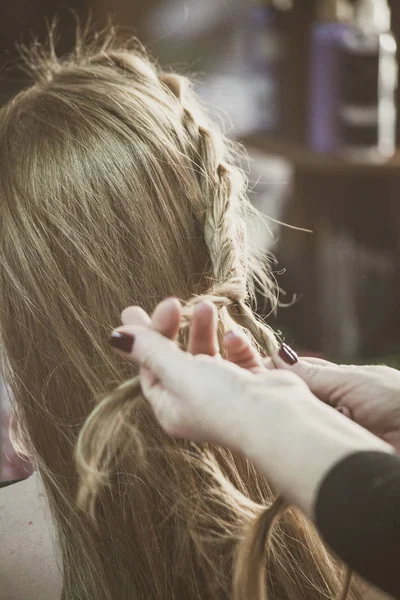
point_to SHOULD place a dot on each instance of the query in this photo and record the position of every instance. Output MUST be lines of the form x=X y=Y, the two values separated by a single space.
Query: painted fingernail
x=122 y=341
x=288 y=355
x=344 y=411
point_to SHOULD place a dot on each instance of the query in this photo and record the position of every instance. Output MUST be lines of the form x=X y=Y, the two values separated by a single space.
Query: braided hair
x=222 y=185
x=214 y=512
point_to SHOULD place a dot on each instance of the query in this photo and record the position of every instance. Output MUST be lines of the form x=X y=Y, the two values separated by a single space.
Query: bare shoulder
x=28 y=566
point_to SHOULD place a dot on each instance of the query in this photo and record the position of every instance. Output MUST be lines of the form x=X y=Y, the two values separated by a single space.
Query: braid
x=221 y=185
x=215 y=185
x=204 y=510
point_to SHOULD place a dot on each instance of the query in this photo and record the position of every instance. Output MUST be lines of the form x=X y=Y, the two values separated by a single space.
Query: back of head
x=116 y=190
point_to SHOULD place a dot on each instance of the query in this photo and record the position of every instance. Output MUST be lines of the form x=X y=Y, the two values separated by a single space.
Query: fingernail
x=229 y=335
x=288 y=355
x=344 y=411
x=122 y=341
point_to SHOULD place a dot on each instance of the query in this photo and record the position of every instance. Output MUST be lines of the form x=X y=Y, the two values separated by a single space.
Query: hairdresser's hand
x=269 y=415
x=369 y=395
x=176 y=383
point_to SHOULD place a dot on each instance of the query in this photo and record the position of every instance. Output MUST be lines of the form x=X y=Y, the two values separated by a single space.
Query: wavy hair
x=117 y=189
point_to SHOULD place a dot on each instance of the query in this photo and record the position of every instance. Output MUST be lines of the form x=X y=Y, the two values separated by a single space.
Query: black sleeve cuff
x=358 y=514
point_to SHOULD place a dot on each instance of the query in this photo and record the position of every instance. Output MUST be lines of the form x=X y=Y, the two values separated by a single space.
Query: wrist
x=297 y=441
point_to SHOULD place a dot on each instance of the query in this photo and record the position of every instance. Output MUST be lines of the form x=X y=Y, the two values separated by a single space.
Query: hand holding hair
x=115 y=185
x=338 y=473
x=270 y=415
x=369 y=395
x=199 y=371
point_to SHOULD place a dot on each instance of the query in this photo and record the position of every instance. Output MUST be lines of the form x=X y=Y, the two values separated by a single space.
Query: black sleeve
x=358 y=514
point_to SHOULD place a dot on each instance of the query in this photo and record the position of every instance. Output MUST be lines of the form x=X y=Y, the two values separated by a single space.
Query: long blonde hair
x=115 y=189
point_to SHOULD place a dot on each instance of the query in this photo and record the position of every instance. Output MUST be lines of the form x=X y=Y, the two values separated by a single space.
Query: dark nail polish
x=288 y=355
x=122 y=341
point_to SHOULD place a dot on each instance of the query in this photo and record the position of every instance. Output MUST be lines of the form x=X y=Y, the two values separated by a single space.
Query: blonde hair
x=116 y=189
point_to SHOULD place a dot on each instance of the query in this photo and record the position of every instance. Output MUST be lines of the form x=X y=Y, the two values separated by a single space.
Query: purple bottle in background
x=334 y=21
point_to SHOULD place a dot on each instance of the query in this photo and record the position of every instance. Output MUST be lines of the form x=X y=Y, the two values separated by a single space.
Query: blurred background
x=309 y=87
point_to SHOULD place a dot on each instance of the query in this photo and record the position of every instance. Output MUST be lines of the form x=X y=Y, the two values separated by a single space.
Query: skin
x=28 y=562
x=369 y=395
x=268 y=414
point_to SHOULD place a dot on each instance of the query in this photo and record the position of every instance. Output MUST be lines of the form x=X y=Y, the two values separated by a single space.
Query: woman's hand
x=197 y=394
x=270 y=415
x=370 y=395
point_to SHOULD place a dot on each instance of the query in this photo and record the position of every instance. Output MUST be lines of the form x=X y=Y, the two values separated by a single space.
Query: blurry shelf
x=303 y=159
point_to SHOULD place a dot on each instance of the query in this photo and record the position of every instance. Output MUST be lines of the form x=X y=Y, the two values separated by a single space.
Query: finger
x=203 y=337
x=317 y=361
x=135 y=315
x=268 y=363
x=240 y=351
x=325 y=363
x=148 y=348
x=280 y=363
x=166 y=318
x=371 y=369
x=327 y=381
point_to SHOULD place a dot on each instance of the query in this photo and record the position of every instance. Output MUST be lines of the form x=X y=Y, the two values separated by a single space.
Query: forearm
x=297 y=444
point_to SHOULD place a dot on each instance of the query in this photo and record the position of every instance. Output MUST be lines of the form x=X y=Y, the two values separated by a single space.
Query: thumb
x=148 y=348
x=326 y=380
